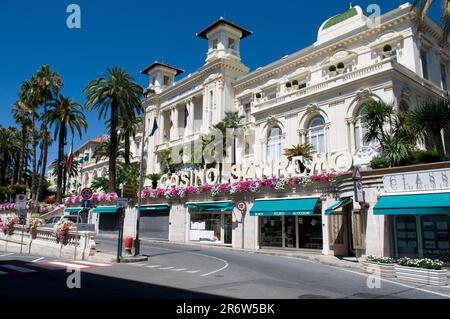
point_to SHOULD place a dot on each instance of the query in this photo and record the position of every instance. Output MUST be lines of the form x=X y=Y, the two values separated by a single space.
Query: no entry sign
x=241 y=206
x=86 y=193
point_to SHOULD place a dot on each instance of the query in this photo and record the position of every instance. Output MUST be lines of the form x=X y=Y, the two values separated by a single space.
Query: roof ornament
x=351 y=5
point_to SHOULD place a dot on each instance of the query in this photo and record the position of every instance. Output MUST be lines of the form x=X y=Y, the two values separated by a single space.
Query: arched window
x=361 y=130
x=274 y=144
x=316 y=134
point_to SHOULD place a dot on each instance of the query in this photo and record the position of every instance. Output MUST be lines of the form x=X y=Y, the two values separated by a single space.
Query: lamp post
x=137 y=242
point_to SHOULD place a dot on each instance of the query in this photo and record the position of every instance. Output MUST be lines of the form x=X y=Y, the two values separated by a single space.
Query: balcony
x=385 y=65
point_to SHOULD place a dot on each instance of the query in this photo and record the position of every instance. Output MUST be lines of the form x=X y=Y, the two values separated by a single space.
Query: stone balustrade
x=80 y=245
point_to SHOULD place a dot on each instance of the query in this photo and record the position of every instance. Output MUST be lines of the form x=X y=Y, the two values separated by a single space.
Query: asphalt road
x=191 y=272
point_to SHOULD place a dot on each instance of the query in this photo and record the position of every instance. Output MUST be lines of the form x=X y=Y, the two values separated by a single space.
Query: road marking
x=193 y=271
x=397 y=283
x=91 y=263
x=68 y=265
x=153 y=266
x=8 y=254
x=166 y=268
x=181 y=269
x=17 y=268
x=138 y=265
x=39 y=259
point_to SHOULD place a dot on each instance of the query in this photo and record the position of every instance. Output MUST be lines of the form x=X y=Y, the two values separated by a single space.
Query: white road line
x=193 y=271
x=181 y=269
x=17 y=268
x=153 y=266
x=399 y=284
x=8 y=254
x=137 y=265
x=166 y=268
x=68 y=265
x=39 y=259
x=91 y=263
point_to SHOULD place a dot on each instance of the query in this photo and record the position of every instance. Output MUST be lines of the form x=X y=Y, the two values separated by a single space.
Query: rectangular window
x=272 y=95
x=166 y=80
x=153 y=80
x=444 y=76
x=215 y=44
x=247 y=112
x=231 y=43
x=424 y=60
x=302 y=85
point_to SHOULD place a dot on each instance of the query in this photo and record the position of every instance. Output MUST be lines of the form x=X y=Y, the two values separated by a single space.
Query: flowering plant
x=8 y=226
x=421 y=263
x=61 y=231
x=380 y=260
x=110 y=197
x=50 y=200
x=33 y=224
x=7 y=206
x=245 y=186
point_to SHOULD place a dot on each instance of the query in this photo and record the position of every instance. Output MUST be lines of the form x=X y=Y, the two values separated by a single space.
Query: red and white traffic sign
x=86 y=193
x=241 y=206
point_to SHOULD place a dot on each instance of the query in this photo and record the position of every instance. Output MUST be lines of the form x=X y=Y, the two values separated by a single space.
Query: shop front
x=211 y=222
x=108 y=218
x=154 y=221
x=289 y=222
x=420 y=224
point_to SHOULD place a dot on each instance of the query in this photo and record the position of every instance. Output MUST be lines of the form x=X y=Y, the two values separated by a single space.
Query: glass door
x=290 y=236
x=227 y=228
x=406 y=236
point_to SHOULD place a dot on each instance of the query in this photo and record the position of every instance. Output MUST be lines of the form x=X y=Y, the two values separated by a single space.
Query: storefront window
x=215 y=227
x=435 y=234
x=310 y=232
x=406 y=235
x=272 y=231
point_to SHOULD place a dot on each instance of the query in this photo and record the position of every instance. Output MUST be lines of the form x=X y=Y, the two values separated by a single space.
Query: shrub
x=422 y=157
x=295 y=82
x=288 y=84
x=154 y=176
x=380 y=162
x=332 y=68
x=387 y=48
x=340 y=65
x=258 y=95
x=381 y=260
x=421 y=263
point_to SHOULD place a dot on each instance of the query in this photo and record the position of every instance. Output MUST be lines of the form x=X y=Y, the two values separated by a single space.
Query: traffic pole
x=137 y=242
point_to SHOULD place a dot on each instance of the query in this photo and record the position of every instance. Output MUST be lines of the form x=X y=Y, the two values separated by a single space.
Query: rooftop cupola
x=161 y=75
x=223 y=39
x=342 y=23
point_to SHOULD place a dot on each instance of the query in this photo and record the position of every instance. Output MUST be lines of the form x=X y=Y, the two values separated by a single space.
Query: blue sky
x=132 y=34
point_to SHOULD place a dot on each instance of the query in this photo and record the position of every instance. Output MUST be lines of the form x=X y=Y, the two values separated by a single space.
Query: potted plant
x=384 y=266
x=155 y=179
x=387 y=49
x=288 y=86
x=340 y=67
x=332 y=70
x=295 y=84
x=33 y=225
x=258 y=96
x=424 y=271
x=61 y=231
x=7 y=226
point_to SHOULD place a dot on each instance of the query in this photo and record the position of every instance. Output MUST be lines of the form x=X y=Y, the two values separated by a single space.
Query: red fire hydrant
x=128 y=244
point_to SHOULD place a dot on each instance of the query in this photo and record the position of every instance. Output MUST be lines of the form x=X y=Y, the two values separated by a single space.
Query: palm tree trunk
x=60 y=163
x=437 y=137
x=34 y=170
x=3 y=170
x=44 y=157
x=127 y=147
x=113 y=146
x=22 y=155
x=65 y=172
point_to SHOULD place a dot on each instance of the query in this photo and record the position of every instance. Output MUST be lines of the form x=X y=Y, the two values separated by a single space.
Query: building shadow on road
x=17 y=283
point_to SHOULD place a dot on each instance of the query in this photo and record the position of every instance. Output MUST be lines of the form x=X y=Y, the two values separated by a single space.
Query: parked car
x=77 y=220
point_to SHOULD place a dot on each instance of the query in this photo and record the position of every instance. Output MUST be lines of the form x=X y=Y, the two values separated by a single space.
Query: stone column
x=351 y=134
x=302 y=135
x=176 y=125
x=161 y=127
x=327 y=137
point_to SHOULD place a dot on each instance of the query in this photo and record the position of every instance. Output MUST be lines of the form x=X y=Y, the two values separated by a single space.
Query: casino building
x=317 y=96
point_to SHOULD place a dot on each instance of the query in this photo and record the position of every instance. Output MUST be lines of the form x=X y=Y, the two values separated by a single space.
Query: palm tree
x=10 y=148
x=423 y=7
x=64 y=114
x=49 y=84
x=429 y=119
x=377 y=115
x=113 y=92
x=304 y=150
x=102 y=151
x=22 y=115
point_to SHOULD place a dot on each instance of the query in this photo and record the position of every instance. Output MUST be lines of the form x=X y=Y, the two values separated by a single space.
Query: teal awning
x=106 y=209
x=75 y=210
x=337 y=205
x=284 y=207
x=156 y=208
x=417 y=204
x=211 y=206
